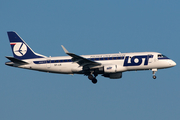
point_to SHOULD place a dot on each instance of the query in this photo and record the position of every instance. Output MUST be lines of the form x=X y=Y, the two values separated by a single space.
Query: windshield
x=161 y=56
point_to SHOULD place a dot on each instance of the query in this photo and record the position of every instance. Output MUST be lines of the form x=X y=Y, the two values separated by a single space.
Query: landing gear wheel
x=154 y=71
x=90 y=77
x=94 y=80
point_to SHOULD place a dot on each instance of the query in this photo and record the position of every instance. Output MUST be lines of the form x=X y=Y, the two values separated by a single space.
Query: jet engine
x=113 y=71
x=114 y=68
x=113 y=75
x=110 y=68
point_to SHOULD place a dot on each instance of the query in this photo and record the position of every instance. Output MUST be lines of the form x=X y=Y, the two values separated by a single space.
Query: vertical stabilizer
x=20 y=49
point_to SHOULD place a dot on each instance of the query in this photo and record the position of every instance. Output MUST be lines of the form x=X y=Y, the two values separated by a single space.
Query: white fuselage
x=108 y=65
x=122 y=61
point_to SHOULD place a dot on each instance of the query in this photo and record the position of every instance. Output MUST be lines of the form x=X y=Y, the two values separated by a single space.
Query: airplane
x=108 y=65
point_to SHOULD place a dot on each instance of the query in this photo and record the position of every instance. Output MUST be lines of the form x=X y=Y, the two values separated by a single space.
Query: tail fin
x=20 y=49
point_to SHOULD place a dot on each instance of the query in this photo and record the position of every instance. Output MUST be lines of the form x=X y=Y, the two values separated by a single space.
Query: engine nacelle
x=114 y=68
x=113 y=75
x=110 y=68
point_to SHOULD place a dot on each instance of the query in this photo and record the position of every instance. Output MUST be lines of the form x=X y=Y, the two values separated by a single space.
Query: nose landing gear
x=154 y=77
x=154 y=71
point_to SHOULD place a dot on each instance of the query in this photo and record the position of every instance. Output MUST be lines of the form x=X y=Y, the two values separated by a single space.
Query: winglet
x=64 y=49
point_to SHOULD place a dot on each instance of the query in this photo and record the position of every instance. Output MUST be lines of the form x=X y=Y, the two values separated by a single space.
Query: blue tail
x=20 y=49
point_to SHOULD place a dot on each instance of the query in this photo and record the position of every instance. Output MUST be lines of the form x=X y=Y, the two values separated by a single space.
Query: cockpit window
x=161 y=56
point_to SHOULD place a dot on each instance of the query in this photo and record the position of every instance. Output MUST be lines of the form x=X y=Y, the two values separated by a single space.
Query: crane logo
x=19 y=48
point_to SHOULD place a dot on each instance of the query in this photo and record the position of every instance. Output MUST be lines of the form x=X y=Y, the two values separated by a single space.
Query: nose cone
x=172 y=63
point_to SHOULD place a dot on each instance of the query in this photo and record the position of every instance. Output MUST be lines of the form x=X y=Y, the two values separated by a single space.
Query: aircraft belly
x=39 y=67
x=66 y=68
x=142 y=67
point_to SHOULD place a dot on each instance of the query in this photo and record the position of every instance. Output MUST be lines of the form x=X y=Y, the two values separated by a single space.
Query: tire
x=154 y=77
x=94 y=81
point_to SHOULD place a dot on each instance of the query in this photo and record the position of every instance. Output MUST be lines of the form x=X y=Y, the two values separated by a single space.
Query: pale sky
x=90 y=27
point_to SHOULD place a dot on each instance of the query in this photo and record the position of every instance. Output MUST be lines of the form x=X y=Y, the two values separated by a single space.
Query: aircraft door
x=155 y=58
x=150 y=58
x=48 y=63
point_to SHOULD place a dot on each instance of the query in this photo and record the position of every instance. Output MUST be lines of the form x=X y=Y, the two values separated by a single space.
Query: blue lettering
x=137 y=60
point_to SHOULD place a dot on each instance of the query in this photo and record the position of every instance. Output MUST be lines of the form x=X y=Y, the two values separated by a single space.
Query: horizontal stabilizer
x=15 y=60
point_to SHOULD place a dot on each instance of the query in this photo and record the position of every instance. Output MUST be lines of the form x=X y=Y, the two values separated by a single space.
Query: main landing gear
x=93 y=78
x=154 y=71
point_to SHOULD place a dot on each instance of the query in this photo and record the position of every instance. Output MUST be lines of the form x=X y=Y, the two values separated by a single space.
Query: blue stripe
x=163 y=58
x=69 y=60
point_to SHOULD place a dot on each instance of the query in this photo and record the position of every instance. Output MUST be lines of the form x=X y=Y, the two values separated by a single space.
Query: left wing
x=80 y=60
